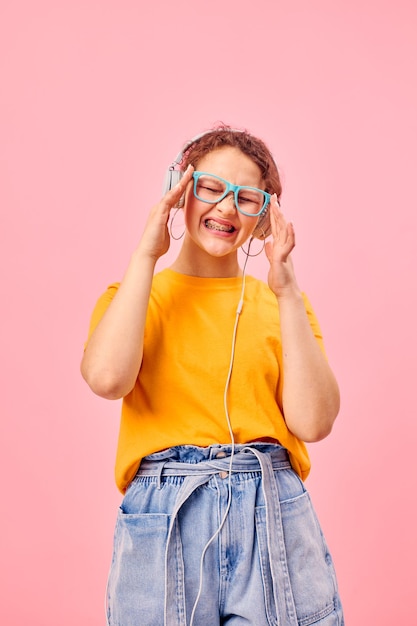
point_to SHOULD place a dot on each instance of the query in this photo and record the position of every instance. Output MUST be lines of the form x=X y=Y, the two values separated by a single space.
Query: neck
x=194 y=261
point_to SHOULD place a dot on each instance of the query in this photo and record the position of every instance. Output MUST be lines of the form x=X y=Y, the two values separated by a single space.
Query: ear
x=263 y=227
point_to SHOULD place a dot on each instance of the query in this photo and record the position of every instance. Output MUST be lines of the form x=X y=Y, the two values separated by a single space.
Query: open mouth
x=224 y=228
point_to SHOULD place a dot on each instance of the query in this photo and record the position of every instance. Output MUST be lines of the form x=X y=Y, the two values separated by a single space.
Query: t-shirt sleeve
x=101 y=307
x=315 y=327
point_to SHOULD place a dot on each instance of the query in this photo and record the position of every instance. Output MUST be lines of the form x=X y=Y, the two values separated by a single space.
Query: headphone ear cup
x=263 y=227
x=172 y=178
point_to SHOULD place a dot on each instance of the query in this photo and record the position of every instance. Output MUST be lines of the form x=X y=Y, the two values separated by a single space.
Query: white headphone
x=174 y=175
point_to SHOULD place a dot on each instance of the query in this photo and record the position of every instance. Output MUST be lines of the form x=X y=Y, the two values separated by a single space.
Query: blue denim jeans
x=199 y=545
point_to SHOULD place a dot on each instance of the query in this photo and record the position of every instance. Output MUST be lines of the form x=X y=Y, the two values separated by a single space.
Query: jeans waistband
x=214 y=459
x=246 y=458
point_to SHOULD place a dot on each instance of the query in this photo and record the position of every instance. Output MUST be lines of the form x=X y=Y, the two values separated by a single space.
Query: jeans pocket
x=136 y=587
x=310 y=567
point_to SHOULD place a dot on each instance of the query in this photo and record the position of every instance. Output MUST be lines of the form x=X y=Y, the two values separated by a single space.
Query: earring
x=247 y=253
x=171 y=222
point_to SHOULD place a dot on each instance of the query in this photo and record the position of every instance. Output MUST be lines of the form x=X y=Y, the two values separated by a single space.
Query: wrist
x=288 y=291
x=144 y=258
x=291 y=293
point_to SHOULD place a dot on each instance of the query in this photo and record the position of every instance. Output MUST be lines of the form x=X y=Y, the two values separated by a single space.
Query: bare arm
x=310 y=395
x=113 y=355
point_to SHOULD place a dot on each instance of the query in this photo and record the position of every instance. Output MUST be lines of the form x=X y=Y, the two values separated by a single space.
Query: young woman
x=223 y=378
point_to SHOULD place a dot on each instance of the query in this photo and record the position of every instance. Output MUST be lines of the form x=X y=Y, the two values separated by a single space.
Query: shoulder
x=258 y=291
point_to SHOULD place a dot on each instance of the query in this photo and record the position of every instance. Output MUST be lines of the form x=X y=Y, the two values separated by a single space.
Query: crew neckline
x=201 y=280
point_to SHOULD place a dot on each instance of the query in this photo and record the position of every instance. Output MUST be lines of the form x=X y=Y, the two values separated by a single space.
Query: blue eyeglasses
x=212 y=189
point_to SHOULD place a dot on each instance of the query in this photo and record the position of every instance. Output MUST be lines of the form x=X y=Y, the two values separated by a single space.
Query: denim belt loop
x=159 y=471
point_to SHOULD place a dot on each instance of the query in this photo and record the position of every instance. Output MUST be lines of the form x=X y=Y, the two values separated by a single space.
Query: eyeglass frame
x=235 y=189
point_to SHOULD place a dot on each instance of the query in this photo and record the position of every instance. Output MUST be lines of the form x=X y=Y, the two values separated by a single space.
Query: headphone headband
x=189 y=143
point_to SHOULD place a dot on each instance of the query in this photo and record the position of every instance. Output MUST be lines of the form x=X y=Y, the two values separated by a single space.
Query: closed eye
x=246 y=199
x=210 y=188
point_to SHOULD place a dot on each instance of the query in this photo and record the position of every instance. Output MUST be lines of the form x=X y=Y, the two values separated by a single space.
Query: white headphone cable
x=232 y=439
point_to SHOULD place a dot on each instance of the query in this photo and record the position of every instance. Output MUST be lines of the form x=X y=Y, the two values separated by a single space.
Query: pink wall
x=96 y=99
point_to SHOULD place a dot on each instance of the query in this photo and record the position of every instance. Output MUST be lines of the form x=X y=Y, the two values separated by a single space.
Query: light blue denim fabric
x=268 y=566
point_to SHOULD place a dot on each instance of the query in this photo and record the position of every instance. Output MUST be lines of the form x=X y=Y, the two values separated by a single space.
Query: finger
x=279 y=226
x=282 y=224
x=291 y=234
x=269 y=251
x=174 y=194
x=274 y=215
x=283 y=240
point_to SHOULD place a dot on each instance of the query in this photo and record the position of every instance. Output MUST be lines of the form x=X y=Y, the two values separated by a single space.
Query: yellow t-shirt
x=178 y=397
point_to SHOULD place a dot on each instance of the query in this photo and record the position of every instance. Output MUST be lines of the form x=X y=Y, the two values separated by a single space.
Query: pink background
x=97 y=97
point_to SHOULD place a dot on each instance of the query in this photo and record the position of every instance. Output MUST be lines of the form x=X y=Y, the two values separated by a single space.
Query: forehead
x=232 y=164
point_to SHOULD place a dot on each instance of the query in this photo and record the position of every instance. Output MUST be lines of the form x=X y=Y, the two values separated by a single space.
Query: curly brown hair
x=223 y=135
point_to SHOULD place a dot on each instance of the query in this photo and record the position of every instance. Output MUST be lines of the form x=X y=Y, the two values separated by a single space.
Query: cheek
x=193 y=209
x=248 y=223
x=188 y=194
x=191 y=216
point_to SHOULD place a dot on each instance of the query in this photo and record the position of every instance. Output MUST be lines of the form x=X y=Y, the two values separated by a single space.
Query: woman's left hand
x=310 y=395
x=281 y=276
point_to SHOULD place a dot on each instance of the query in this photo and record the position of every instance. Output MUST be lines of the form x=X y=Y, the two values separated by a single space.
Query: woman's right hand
x=155 y=239
x=114 y=351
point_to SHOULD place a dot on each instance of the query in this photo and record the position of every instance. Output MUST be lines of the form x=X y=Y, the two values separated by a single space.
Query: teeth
x=216 y=226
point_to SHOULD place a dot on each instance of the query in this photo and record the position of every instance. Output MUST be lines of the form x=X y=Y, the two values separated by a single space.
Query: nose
x=225 y=205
